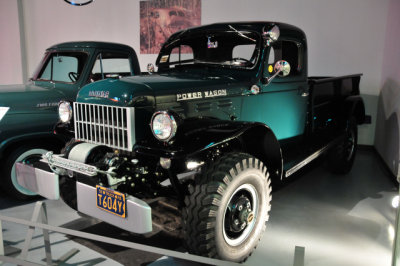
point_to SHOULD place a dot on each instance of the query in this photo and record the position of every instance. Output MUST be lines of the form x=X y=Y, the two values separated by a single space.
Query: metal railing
x=40 y=212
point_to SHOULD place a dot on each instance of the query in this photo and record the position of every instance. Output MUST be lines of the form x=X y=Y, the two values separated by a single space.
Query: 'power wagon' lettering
x=200 y=95
x=215 y=93
x=188 y=96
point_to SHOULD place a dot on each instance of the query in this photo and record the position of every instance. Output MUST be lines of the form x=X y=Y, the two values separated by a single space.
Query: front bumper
x=46 y=184
x=37 y=180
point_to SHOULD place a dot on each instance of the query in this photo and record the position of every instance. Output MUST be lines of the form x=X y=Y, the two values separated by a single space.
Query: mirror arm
x=269 y=79
x=273 y=76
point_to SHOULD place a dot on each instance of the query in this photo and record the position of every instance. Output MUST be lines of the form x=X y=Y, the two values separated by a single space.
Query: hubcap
x=240 y=214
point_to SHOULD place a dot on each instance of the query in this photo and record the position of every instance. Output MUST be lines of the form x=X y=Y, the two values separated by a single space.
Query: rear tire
x=226 y=212
x=341 y=157
x=9 y=181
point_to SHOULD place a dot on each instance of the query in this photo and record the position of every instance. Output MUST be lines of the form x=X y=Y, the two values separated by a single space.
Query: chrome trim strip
x=310 y=158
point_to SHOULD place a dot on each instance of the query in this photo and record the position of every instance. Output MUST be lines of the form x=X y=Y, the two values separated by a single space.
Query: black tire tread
x=202 y=204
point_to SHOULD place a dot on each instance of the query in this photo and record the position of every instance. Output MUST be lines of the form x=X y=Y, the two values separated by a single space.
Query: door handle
x=303 y=92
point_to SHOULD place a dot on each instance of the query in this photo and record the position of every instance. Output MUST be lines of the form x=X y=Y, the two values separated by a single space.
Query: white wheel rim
x=20 y=158
x=249 y=228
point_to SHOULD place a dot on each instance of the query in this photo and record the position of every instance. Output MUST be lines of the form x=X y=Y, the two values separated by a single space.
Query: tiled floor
x=335 y=220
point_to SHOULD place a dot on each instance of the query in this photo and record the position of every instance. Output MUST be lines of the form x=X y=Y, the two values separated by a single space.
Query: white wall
x=344 y=36
x=387 y=140
x=10 y=50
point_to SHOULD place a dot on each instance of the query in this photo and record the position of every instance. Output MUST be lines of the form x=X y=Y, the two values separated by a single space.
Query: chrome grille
x=106 y=125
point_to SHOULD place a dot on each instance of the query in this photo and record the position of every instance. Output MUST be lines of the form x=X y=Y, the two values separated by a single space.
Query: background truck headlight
x=65 y=111
x=163 y=125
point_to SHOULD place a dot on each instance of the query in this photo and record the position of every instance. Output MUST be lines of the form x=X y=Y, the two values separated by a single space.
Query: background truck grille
x=107 y=125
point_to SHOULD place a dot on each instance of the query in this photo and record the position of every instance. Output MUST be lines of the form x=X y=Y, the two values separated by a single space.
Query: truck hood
x=28 y=98
x=164 y=88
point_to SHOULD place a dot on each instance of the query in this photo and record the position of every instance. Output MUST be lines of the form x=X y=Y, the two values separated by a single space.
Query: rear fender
x=355 y=107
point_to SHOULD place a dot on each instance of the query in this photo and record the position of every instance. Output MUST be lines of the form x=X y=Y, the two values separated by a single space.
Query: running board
x=311 y=158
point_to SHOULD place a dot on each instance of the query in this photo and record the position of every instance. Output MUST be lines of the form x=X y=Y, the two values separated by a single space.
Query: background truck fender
x=45 y=138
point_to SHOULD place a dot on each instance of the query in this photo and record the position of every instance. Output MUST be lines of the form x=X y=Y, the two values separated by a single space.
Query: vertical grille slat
x=118 y=128
x=123 y=129
x=86 y=124
x=105 y=125
x=112 y=128
x=108 y=126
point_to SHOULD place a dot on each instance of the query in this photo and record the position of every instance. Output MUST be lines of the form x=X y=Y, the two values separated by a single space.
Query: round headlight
x=64 y=111
x=163 y=125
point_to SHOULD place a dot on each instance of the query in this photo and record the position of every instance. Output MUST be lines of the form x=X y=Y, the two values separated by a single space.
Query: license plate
x=111 y=201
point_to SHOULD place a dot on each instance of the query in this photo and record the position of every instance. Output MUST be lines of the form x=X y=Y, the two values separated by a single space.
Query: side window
x=246 y=52
x=181 y=54
x=110 y=63
x=271 y=57
x=289 y=51
x=63 y=67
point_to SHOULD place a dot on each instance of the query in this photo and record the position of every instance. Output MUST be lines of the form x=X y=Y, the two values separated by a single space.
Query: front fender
x=203 y=139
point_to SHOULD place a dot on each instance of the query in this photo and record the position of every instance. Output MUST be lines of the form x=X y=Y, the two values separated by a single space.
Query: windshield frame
x=176 y=41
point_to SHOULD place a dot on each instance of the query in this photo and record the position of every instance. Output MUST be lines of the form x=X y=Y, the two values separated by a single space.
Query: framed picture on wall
x=160 y=19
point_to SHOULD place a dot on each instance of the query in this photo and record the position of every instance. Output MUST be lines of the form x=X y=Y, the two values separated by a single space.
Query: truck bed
x=326 y=105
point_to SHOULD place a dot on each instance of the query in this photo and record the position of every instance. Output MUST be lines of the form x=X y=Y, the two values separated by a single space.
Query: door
x=281 y=104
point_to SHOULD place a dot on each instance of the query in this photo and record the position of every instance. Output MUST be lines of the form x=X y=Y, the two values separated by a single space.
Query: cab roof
x=91 y=44
x=258 y=26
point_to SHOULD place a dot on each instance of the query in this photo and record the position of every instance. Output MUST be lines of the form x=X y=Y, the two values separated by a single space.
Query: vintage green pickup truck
x=28 y=112
x=198 y=146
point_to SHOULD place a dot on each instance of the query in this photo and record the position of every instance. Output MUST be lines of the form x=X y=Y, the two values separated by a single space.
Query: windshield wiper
x=241 y=34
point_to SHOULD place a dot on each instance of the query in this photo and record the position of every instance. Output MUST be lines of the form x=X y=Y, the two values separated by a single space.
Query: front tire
x=226 y=212
x=9 y=181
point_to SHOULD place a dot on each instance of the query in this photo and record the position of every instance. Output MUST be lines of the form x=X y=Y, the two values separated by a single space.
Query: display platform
x=332 y=220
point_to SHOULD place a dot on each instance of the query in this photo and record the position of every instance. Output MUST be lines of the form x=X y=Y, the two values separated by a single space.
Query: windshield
x=62 y=67
x=232 y=49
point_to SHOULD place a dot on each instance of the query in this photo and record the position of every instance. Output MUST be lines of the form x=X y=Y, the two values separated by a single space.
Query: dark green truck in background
x=197 y=147
x=28 y=112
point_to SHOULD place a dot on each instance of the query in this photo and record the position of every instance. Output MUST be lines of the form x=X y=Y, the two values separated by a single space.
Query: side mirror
x=281 y=68
x=271 y=35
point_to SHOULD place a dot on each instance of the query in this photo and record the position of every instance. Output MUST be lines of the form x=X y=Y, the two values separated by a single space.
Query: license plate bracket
x=111 y=201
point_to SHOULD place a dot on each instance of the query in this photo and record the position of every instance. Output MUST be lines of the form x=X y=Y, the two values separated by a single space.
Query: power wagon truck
x=28 y=112
x=229 y=111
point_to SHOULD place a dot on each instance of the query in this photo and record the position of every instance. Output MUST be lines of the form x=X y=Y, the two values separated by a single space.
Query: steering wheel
x=73 y=76
x=241 y=59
